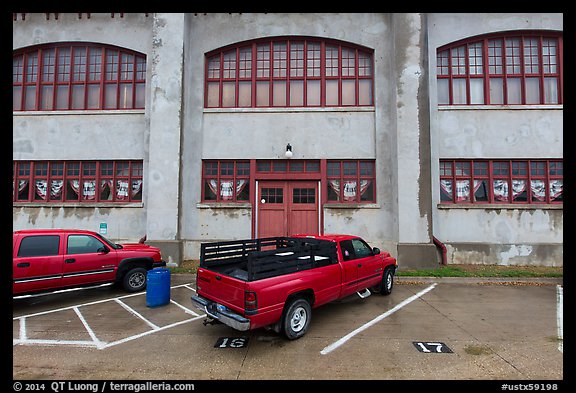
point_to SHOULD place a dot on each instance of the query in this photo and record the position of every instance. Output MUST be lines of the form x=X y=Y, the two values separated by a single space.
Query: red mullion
x=450 y=78
x=340 y=76
x=486 y=71
x=522 y=72
x=305 y=74
x=322 y=74
x=134 y=71
x=541 y=71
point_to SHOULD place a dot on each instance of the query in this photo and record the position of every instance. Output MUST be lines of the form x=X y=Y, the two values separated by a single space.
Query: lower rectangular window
x=77 y=181
x=501 y=181
x=351 y=181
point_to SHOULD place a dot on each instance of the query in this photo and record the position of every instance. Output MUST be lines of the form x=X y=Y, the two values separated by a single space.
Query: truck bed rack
x=254 y=259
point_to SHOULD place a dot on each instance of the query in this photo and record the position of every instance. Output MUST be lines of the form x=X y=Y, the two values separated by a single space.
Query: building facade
x=435 y=136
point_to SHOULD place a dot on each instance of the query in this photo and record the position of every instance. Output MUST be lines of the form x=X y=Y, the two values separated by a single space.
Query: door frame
x=256 y=204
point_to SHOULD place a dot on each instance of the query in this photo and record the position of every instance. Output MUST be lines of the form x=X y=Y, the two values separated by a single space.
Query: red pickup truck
x=51 y=259
x=276 y=282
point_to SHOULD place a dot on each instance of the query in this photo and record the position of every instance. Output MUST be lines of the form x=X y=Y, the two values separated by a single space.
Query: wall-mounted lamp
x=288 y=153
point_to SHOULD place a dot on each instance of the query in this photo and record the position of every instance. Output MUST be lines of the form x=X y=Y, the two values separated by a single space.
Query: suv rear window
x=37 y=246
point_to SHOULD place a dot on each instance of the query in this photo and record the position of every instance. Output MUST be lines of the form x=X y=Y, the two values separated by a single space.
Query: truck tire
x=387 y=281
x=297 y=319
x=135 y=279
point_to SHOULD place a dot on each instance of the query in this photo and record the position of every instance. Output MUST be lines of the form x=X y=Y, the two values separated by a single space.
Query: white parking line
x=347 y=337
x=560 y=316
x=96 y=342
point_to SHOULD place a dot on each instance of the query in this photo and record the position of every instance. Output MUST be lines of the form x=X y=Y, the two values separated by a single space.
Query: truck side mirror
x=375 y=251
x=103 y=250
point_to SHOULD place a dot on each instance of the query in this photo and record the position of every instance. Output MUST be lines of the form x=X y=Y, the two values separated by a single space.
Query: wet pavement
x=427 y=329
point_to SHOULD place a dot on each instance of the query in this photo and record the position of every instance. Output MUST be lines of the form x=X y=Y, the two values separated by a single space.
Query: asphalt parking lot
x=427 y=329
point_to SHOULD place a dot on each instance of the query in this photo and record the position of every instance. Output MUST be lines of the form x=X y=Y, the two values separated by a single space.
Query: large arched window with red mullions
x=289 y=72
x=77 y=76
x=509 y=68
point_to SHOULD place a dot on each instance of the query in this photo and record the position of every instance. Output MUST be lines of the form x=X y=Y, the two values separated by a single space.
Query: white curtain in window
x=538 y=190
x=121 y=189
x=136 y=186
x=350 y=188
x=56 y=188
x=226 y=188
x=556 y=189
x=41 y=186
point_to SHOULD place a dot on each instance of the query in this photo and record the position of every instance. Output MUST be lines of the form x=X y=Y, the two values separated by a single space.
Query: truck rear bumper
x=221 y=313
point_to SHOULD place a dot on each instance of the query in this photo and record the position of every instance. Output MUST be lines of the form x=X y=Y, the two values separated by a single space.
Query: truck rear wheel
x=297 y=319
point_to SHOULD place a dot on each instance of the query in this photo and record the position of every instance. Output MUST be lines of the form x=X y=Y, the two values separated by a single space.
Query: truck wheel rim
x=298 y=319
x=136 y=280
x=389 y=281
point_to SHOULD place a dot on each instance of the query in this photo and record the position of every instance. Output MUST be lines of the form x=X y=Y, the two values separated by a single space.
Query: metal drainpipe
x=441 y=246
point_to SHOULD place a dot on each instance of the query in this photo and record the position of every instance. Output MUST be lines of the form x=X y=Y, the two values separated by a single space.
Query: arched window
x=289 y=72
x=512 y=68
x=77 y=76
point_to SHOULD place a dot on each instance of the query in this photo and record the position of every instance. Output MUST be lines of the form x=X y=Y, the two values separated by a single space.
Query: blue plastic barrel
x=158 y=287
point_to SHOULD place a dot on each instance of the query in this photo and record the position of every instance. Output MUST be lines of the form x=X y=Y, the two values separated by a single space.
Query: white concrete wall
x=264 y=133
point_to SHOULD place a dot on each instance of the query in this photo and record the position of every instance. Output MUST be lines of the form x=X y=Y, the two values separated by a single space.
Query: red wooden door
x=287 y=207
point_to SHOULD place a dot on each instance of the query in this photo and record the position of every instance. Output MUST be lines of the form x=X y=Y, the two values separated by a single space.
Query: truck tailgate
x=220 y=288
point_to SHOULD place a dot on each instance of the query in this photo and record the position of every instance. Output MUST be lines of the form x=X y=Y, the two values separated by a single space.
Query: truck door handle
x=218 y=278
x=359 y=265
x=23 y=264
x=71 y=260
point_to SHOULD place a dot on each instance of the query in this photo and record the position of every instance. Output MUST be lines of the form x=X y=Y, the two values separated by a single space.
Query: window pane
x=262 y=94
x=514 y=95
x=446 y=190
x=17 y=98
x=332 y=92
x=296 y=93
x=443 y=92
x=47 y=98
x=228 y=94
x=245 y=94
x=126 y=101
x=348 y=92
x=550 y=90
x=62 y=97
x=496 y=91
x=30 y=103
x=77 y=96
x=110 y=95
x=532 y=90
x=279 y=90
x=476 y=91
x=365 y=92
x=313 y=93
x=213 y=94
x=140 y=95
x=93 y=101
x=481 y=190
x=459 y=91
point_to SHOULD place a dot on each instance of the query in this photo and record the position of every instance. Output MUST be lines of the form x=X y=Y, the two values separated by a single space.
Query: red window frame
x=78 y=76
x=77 y=181
x=289 y=72
x=226 y=181
x=351 y=181
x=512 y=68
x=501 y=181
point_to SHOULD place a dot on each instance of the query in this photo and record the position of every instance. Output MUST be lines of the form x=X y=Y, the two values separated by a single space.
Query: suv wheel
x=135 y=279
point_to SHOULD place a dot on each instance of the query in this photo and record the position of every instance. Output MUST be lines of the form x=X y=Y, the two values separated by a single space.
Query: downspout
x=442 y=247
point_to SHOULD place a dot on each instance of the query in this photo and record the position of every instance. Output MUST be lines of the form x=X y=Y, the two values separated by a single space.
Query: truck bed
x=255 y=259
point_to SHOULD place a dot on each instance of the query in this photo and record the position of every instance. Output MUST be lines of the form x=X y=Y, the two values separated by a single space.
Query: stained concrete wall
x=514 y=235
x=71 y=135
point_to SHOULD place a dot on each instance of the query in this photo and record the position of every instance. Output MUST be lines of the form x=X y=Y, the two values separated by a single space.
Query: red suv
x=51 y=259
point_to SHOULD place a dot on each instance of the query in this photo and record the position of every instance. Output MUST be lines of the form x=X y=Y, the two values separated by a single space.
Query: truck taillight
x=250 y=301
